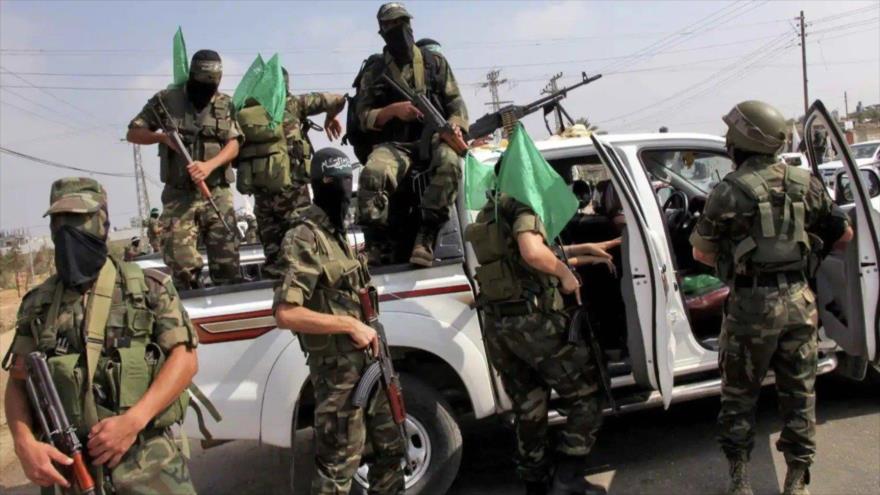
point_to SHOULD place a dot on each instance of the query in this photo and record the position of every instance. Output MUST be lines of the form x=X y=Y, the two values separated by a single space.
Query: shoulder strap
x=753 y=185
x=418 y=64
x=97 y=312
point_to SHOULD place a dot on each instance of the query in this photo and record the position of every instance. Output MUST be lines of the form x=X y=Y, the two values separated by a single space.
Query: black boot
x=570 y=478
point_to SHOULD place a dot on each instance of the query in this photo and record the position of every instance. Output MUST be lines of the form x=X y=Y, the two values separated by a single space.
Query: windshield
x=702 y=169
x=864 y=150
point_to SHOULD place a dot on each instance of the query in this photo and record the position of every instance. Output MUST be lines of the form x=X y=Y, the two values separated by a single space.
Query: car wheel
x=434 y=442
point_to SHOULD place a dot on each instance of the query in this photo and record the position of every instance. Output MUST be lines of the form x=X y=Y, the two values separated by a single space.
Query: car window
x=864 y=150
x=871 y=181
x=702 y=169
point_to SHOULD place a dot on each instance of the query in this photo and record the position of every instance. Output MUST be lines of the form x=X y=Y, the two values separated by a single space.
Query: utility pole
x=845 y=106
x=551 y=88
x=804 y=61
x=143 y=197
x=493 y=80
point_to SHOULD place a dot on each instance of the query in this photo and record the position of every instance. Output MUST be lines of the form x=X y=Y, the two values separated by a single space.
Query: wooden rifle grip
x=367 y=305
x=81 y=474
x=203 y=189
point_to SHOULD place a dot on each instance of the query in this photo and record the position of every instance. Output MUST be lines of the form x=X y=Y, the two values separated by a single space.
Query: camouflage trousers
x=532 y=356
x=767 y=329
x=342 y=430
x=273 y=212
x=154 y=466
x=187 y=218
x=386 y=167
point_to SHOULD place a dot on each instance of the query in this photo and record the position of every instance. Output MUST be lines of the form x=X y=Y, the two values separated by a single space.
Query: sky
x=74 y=73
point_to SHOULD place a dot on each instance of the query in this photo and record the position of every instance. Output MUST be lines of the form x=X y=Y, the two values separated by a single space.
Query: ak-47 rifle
x=53 y=420
x=181 y=148
x=508 y=115
x=382 y=369
x=434 y=122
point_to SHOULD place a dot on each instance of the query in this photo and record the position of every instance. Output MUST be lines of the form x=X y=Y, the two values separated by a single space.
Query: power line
x=29 y=112
x=50 y=163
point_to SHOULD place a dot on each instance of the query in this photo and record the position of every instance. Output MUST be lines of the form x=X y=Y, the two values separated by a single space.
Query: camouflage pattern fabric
x=341 y=429
x=532 y=355
x=154 y=234
x=273 y=210
x=187 y=217
x=250 y=235
x=274 y=214
x=155 y=466
x=765 y=327
x=769 y=328
x=388 y=163
x=387 y=166
x=77 y=195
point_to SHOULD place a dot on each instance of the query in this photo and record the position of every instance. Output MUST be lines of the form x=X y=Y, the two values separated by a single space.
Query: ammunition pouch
x=263 y=162
x=498 y=281
x=334 y=295
x=515 y=307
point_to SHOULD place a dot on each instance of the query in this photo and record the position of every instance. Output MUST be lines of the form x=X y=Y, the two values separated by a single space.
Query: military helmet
x=330 y=162
x=755 y=126
x=206 y=67
x=76 y=195
x=391 y=11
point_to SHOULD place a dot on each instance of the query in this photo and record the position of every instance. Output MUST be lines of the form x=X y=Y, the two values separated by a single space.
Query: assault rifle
x=434 y=122
x=53 y=420
x=181 y=148
x=508 y=115
x=581 y=328
x=382 y=369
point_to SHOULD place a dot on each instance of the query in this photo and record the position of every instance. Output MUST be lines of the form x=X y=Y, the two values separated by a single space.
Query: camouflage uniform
x=273 y=210
x=531 y=352
x=186 y=216
x=154 y=234
x=770 y=317
x=389 y=161
x=318 y=258
x=154 y=464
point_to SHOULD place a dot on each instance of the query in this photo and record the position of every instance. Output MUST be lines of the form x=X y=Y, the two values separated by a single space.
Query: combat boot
x=570 y=478
x=536 y=487
x=423 y=248
x=796 y=480
x=739 y=478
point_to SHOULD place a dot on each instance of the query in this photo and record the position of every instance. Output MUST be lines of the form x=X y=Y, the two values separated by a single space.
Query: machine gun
x=510 y=114
x=53 y=420
x=434 y=122
x=382 y=369
x=200 y=185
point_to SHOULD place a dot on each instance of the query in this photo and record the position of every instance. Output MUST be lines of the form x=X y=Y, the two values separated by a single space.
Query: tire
x=437 y=432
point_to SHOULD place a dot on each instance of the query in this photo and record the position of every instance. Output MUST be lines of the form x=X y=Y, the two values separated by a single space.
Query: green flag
x=526 y=176
x=478 y=179
x=248 y=81
x=179 y=62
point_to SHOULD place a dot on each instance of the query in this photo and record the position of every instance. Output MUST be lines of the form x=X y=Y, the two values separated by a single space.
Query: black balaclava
x=331 y=174
x=79 y=255
x=399 y=41
x=201 y=85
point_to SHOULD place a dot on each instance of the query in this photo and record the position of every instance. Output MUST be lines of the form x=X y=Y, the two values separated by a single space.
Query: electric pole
x=804 y=61
x=143 y=197
x=551 y=88
x=493 y=80
x=845 y=106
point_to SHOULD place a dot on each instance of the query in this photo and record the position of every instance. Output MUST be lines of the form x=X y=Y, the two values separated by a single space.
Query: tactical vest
x=336 y=292
x=503 y=274
x=776 y=240
x=299 y=146
x=428 y=80
x=128 y=363
x=202 y=133
x=263 y=163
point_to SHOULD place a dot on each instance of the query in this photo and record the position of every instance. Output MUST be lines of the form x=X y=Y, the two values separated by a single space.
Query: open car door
x=654 y=305
x=848 y=283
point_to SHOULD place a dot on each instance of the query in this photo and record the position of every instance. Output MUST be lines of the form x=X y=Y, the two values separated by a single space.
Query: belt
x=777 y=279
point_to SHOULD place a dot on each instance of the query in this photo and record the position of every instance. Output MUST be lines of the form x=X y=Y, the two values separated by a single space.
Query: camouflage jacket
x=374 y=94
x=297 y=109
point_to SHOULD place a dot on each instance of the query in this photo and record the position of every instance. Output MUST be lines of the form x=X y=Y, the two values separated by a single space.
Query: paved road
x=652 y=452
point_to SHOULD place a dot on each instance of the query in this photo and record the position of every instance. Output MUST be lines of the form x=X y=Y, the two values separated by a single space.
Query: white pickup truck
x=660 y=343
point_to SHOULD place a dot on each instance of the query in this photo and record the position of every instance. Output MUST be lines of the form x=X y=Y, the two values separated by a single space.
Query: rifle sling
x=418 y=64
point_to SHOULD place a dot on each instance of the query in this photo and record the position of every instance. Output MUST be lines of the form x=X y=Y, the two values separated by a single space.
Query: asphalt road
x=651 y=452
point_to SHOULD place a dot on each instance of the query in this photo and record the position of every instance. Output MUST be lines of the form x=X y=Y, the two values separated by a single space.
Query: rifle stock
x=53 y=420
